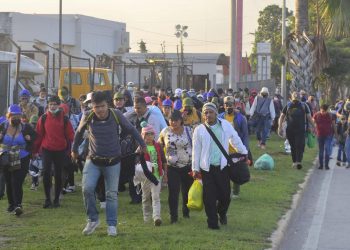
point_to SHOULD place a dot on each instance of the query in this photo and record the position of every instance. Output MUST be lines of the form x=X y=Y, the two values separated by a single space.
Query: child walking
x=150 y=191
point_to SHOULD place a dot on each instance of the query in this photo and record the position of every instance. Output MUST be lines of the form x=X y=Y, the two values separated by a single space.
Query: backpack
x=43 y=120
x=302 y=105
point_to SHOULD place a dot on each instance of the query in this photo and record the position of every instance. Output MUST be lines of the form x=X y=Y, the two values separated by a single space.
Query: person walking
x=264 y=108
x=16 y=140
x=55 y=134
x=239 y=123
x=299 y=120
x=342 y=128
x=209 y=163
x=325 y=129
x=103 y=158
x=177 y=141
x=150 y=191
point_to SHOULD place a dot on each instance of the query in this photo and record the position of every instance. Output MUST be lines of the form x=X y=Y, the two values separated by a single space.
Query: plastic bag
x=265 y=162
x=311 y=140
x=195 y=196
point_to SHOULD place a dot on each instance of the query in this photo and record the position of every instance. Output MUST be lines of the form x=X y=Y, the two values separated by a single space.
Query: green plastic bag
x=265 y=162
x=195 y=196
x=311 y=140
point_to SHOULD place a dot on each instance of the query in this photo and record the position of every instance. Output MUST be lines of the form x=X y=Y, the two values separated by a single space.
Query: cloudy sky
x=154 y=20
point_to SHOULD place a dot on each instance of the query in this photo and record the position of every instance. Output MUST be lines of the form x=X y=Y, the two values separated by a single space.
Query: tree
x=335 y=78
x=269 y=30
x=142 y=46
x=307 y=54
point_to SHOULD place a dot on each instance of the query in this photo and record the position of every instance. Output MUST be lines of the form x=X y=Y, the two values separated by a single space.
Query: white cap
x=88 y=97
x=264 y=90
x=178 y=92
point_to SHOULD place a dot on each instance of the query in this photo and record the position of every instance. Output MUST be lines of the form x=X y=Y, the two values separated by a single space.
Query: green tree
x=335 y=78
x=269 y=30
x=142 y=46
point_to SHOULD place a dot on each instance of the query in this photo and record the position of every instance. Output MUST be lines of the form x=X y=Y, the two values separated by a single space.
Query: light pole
x=60 y=38
x=181 y=32
x=283 y=68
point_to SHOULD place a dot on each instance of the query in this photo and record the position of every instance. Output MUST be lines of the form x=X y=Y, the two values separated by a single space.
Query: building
x=79 y=33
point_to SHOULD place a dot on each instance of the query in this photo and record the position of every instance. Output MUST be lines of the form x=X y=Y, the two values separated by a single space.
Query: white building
x=79 y=32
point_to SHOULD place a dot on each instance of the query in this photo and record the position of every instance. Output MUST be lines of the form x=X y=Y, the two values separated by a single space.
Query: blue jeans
x=347 y=148
x=263 y=129
x=91 y=174
x=341 y=153
x=325 y=148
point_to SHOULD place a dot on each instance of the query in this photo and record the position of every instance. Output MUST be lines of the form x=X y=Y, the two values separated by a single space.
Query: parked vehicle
x=28 y=69
x=80 y=80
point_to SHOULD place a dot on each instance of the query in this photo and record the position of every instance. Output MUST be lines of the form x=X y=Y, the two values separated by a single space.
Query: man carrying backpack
x=297 y=115
x=103 y=158
x=55 y=134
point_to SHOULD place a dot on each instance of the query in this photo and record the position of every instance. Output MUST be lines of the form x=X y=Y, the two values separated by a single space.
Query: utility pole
x=60 y=39
x=233 y=83
x=283 y=68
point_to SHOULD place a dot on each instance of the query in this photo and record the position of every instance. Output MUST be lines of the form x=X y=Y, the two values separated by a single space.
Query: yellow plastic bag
x=195 y=196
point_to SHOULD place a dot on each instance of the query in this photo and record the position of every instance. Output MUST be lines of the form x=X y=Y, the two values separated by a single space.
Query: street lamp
x=181 y=32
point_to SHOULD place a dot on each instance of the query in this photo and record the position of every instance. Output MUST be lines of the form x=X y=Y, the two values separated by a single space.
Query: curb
x=277 y=236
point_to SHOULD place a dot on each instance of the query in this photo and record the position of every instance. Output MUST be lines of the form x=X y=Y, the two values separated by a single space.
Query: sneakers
x=18 y=211
x=263 y=146
x=103 y=205
x=327 y=168
x=70 y=189
x=157 y=222
x=90 y=227
x=299 y=166
x=234 y=196
x=112 y=231
x=47 y=204
x=33 y=187
x=338 y=164
x=223 y=220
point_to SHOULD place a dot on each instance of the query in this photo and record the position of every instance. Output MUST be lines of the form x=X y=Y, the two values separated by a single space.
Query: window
x=100 y=79
x=76 y=78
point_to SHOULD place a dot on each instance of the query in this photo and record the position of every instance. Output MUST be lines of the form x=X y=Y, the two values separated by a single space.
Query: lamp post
x=283 y=68
x=181 y=32
x=60 y=38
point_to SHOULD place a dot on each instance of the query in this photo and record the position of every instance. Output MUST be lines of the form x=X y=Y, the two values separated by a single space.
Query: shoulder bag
x=239 y=171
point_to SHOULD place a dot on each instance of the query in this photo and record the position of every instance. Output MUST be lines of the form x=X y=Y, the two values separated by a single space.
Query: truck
x=80 y=80
x=28 y=69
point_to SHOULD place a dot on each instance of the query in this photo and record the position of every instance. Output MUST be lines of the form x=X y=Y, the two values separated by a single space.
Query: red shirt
x=324 y=124
x=55 y=136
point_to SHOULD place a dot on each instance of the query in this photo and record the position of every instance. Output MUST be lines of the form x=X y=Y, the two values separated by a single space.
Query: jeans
x=263 y=129
x=324 y=146
x=341 y=153
x=178 y=179
x=91 y=174
x=347 y=148
x=58 y=159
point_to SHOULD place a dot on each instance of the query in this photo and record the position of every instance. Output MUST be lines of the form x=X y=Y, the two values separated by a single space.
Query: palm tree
x=307 y=55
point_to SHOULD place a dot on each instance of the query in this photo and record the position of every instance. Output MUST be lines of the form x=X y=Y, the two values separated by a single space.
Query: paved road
x=322 y=218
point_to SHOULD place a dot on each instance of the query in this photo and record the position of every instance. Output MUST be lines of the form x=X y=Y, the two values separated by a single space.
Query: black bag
x=4 y=160
x=239 y=171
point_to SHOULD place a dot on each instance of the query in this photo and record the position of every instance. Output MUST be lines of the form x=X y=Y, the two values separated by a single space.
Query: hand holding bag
x=239 y=171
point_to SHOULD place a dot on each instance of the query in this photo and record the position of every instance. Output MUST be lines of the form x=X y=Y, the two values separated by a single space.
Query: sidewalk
x=322 y=218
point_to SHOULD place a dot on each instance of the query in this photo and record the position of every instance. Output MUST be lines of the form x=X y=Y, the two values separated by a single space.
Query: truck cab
x=80 y=80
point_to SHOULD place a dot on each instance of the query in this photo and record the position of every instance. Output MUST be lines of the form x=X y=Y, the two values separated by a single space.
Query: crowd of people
x=152 y=141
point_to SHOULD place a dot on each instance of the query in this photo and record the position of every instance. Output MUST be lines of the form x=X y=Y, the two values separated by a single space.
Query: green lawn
x=251 y=218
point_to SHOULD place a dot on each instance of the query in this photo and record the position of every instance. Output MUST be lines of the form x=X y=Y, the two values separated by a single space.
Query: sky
x=154 y=21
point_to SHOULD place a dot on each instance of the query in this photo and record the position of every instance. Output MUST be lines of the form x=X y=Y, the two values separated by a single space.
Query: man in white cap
x=209 y=163
x=264 y=108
